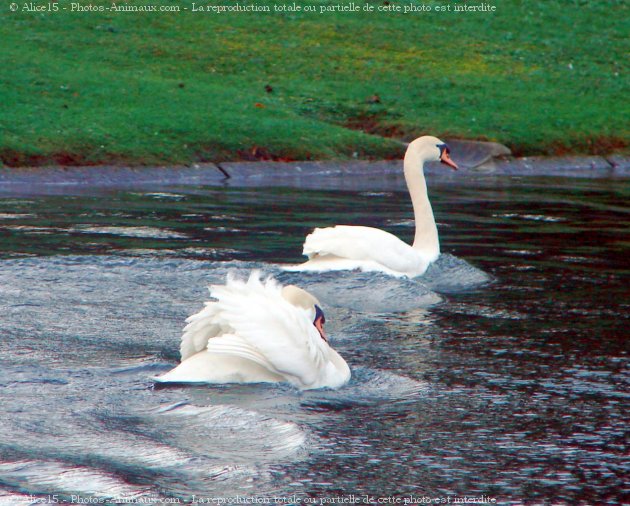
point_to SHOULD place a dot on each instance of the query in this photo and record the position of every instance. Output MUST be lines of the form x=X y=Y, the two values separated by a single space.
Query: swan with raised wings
x=344 y=247
x=258 y=332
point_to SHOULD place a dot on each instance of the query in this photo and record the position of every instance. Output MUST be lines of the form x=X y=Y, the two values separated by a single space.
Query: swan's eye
x=443 y=148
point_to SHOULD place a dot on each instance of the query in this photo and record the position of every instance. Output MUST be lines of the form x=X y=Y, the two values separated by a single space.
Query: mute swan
x=370 y=249
x=258 y=331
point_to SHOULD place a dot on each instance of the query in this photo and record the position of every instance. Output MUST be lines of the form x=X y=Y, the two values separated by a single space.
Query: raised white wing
x=274 y=333
x=235 y=345
x=200 y=328
x=365 y=244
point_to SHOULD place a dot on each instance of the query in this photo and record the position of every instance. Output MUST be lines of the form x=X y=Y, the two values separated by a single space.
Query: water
x=502 y=373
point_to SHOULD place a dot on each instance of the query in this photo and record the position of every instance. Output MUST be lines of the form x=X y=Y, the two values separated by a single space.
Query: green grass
x=543 y=77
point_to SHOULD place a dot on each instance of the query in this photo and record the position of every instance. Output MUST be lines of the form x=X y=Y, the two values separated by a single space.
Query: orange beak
x=446 y=159
x=319 y=325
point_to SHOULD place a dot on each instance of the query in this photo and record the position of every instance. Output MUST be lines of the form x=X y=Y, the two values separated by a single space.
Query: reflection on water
x=515 y=389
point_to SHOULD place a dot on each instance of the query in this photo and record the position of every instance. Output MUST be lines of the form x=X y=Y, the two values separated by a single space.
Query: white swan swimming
x=258 y=331
x=345 y=247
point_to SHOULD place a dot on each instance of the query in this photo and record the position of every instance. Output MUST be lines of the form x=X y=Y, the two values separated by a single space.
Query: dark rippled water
x=503 y=373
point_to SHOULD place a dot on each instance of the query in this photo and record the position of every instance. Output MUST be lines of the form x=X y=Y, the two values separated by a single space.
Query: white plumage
x=365 y=248
x=370 y=249
x=257 y=331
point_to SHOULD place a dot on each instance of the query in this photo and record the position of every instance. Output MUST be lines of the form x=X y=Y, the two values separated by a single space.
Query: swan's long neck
x=426 y=238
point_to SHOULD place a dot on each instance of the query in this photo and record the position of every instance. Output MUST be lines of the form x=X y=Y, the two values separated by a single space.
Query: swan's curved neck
x=426 y=238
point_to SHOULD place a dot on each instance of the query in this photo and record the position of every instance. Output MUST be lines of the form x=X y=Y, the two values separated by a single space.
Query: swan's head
x=433 y=150
x=301 y=298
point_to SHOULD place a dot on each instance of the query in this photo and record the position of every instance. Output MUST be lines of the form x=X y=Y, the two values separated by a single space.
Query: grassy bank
x=543 y=77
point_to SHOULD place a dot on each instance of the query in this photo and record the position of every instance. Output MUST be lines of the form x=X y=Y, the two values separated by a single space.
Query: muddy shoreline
x=474 y=158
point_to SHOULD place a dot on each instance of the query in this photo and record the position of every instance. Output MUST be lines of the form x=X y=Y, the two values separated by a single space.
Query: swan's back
x=363 y=248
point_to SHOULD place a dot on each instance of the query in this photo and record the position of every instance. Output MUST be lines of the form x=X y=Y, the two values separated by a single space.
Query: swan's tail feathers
x=315 y=244
x=349 y=242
